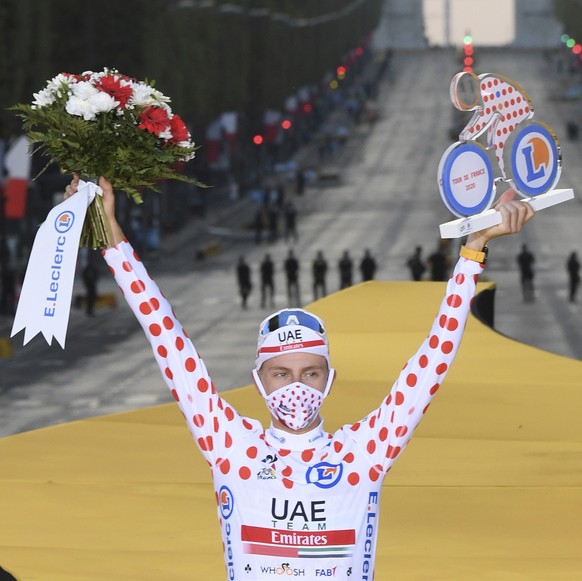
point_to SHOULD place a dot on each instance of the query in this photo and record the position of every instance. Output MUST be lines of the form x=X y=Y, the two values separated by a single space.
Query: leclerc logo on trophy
x=501 y=143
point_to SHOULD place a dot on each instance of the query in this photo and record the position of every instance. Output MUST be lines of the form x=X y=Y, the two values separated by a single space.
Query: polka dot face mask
x=295 y=405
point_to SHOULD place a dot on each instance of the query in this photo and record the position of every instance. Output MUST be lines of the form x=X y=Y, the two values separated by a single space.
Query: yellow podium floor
x=490 y=486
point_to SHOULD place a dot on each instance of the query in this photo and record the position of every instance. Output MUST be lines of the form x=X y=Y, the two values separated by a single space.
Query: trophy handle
x=464 y=226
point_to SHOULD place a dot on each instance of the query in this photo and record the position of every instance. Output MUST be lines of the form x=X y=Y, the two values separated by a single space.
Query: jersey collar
x=316 y=438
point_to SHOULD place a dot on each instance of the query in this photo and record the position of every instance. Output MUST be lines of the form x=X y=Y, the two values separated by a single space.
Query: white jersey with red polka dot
x=295 y=505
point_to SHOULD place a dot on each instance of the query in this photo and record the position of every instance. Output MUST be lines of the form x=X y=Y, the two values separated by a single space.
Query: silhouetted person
x=416 y=264
x=90 y=276
x=292 y=274
x=8 y=290
x=319 y=269
x=7 y=275
x=259 y=225
x=525 y=261
x=267 y=282
x=368 y=266
x=243 y=275
x=439 y=264
x=346 y=270
x=573 y=267
x=300 y=182
x=273 y=223
x=290 y=214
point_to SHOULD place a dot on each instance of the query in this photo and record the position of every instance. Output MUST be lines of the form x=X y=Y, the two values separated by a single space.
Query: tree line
x=210 y=56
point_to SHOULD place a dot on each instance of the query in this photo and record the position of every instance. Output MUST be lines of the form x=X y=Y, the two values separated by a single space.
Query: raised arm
x=386 y=431
x=214 y=424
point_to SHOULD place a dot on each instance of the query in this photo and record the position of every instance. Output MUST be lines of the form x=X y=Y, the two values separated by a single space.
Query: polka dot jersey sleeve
x=385 y=432
x=211 y=420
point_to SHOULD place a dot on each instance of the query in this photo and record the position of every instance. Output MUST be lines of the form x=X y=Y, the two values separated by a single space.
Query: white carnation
x=86 y=101
x=80 y=107
x=60 y=84
x=43 y=98
x=142 y=95
x=84 y=90
x=102 y=102
x=56 y=87
x=160 y=98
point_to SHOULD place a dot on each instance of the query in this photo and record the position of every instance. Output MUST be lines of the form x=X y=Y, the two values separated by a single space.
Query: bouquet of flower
x=107 y=124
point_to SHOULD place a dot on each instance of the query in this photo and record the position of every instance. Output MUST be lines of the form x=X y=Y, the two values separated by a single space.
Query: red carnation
x=112 y=86
x=154 y=119
x=178 y=129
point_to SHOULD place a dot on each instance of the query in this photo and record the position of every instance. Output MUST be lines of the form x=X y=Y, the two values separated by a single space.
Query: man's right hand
x=108 y=205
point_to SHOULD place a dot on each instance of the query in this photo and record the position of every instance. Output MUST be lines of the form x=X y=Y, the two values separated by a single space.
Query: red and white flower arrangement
x=108 y=124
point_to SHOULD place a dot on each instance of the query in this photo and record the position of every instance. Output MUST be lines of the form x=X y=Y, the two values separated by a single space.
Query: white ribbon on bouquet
x=45 y=299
